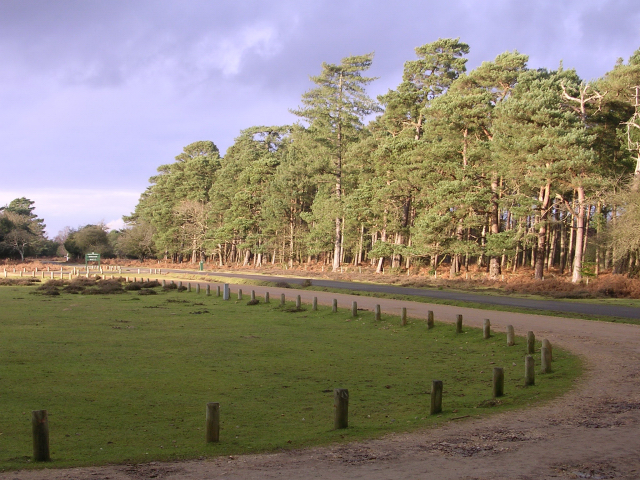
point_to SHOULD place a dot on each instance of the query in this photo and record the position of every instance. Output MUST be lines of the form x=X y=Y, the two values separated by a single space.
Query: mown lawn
x=126 y=378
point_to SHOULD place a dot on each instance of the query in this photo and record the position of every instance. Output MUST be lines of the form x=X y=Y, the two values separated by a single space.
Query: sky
x=96 y=94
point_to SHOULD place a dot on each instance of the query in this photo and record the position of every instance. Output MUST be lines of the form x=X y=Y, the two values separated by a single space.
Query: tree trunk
x=580 y=225
x=542 y=231
x=494 y=228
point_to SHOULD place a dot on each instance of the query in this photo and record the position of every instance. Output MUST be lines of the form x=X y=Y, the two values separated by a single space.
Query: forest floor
x=590 y=432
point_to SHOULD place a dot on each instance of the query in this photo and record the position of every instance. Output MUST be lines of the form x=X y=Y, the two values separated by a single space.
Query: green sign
x=92 y=257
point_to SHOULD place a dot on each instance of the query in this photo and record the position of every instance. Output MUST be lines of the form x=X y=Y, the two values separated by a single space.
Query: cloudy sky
x=96 y=94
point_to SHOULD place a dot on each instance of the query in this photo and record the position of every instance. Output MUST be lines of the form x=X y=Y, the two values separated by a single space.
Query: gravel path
x=591 y=432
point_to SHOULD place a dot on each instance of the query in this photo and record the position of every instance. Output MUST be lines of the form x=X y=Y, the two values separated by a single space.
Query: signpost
x=91 y=257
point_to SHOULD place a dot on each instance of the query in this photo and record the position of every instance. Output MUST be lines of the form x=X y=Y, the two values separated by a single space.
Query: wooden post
x=341 y=408
x=298 y=302
x=546 y=360
x=40 y=430
x=430 y=320
x=208 y=290
x=227 y=292
x=239 y=294
x=197 y=288
x=334 y=307
x=498 y=381
x=529 y=371
x=511 y=337
x=213 y=422
x=531 y=343
x=164 y=282
x=315 y=304
x=458 y=323
x=282 y=299
x=354 y=309
x=436 y=397
x=547 y=344
x=266 y=297
x=189 y=287
x=217 y=290
x=403 y=316
x=377 y=313
x=180 y=284
x=253 y=295
x=486 y=329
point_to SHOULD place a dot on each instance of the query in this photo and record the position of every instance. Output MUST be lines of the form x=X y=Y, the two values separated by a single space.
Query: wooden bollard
x=180 y=284
x=315 y=304
x=547 y=344
x=227 y=292
x=164 y=282
x=334 y=306
x=377 y=313
x=208 y=290
x=458 y=323
x=403 y=316
x=511 y=337
x=212 y=426
x=341 y=408
x=529 y=371
x=217 y=290
x=436 y=397
x=486 y=329
x=197 y=288
x=531 y=343
x=239 y=294
x=266 y=297
x=253 y=295
x=298 y=302
x=546 y=360
x=40 y=430
x=354 y=309
x=498 y=381
x=430 y=323
x=282 y=299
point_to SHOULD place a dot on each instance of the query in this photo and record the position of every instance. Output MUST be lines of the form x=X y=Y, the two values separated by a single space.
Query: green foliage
x=22 y=232
x=477 y=163
x=88 y=239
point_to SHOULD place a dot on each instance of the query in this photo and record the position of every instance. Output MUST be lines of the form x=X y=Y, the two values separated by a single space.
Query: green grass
x=455 y=303
x=126 y=378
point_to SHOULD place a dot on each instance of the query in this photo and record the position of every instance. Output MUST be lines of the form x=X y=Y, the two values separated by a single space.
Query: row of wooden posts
x=40 y=424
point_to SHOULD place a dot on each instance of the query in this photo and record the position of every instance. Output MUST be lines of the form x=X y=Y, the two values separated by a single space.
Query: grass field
x=126 y=378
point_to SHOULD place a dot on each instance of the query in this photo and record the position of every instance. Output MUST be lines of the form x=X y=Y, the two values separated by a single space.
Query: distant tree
x=136 y=241
x=89 y=239
x=22 y=230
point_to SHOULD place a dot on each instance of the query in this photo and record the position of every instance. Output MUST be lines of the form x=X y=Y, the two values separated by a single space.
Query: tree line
x=500 y=167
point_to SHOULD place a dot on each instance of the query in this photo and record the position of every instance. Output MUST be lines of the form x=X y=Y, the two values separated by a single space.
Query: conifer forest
x=497 y=168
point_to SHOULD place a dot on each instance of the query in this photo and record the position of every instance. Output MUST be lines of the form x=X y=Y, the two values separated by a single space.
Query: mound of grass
x=123 y=384
x=13 y=282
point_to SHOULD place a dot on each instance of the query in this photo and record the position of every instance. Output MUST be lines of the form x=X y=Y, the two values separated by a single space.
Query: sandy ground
x=591 y=432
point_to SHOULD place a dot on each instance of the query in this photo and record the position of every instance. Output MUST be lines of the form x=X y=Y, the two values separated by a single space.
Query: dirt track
x=591 y=432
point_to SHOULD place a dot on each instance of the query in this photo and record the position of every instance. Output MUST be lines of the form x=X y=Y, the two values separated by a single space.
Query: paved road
x=548 y=305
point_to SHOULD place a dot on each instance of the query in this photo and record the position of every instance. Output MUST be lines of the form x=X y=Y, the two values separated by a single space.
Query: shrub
x=253 y=302
x=306 y=283
x=147 y=291
x=282 y=285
